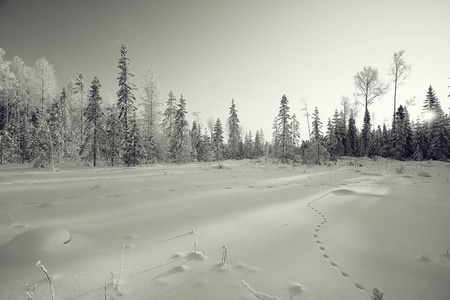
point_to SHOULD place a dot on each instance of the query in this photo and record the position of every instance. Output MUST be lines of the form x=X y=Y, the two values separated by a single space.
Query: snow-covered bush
x=377 y=294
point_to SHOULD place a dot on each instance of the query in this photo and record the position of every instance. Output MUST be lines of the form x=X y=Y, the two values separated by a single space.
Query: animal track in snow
x=336 y=192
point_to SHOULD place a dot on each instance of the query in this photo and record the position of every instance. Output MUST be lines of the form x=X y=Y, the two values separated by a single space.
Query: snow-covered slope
x=332 y=232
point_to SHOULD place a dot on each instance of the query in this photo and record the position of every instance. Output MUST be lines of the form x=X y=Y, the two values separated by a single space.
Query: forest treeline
x=43 y=126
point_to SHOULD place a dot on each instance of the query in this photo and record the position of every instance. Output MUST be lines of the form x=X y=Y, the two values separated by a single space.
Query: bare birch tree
x=399 y=71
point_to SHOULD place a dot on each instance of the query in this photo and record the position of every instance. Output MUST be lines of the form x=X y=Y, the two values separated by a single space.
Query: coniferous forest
x=43 y=126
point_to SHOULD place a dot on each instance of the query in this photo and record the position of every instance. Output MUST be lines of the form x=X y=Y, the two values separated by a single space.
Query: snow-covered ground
x=329 y=232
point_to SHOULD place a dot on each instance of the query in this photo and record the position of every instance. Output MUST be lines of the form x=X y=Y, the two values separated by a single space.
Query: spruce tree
x=218 y=140
x=284 y=141
x=352 y=136
x=134 y=150
x=234 y=138
x=127 y=109
x=386 y=142
x=80 y=95
x=196 y=138
x=317 y=149
x=365 y=134
x=111 y=151
x=169 y=116
x=248 y=145
x=258 y=149
x=94 y=132
x=419 y=137
x=295 y=127
x=402 y=135
x=180 y=148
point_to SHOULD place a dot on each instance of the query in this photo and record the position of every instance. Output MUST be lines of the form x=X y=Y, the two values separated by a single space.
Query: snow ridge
x=258 y=295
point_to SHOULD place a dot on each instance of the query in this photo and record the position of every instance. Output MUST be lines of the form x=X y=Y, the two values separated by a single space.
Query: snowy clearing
x=322 y=232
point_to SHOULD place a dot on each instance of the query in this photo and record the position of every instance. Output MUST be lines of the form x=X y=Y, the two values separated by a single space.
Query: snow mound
x=424 y=174
x=41 y=238
x=342 y=192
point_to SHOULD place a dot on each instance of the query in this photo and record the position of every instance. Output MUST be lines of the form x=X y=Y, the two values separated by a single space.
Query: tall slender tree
x=399 y=71
x=218 y=140
x=180 y=145
x=45 y=83
x=234 y=138
x=169 y=116
x=284 y=141
x=94 y=132
x=112 y=143
x=150 y=102
x=127 y=109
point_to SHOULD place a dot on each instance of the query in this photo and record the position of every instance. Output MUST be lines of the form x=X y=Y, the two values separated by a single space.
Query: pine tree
x=218 y=140
x=234 y=138
x=94 y=132
x=284 y=142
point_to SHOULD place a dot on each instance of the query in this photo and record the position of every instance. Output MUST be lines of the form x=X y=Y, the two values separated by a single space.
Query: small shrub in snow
x=116 y=284
x=377 y=294
x=30 y=293
x=400 y=169
x=40 y=265
x=225 y=256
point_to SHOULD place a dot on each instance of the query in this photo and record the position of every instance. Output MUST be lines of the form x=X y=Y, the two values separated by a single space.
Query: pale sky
x=252 y=51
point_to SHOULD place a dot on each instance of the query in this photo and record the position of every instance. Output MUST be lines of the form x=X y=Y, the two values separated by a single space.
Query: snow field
x=291 y=233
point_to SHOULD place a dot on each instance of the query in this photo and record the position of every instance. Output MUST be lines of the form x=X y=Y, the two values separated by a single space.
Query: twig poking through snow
x=225 y=256
x=39 y=264
x=258 y=295
x=11 y=219
x=121 y=262
x=30 y=294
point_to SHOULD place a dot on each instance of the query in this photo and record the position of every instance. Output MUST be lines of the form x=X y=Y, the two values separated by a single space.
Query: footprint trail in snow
x=321 y=225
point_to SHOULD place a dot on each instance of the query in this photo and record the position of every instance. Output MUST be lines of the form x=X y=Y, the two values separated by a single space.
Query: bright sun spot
x=429 y=116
